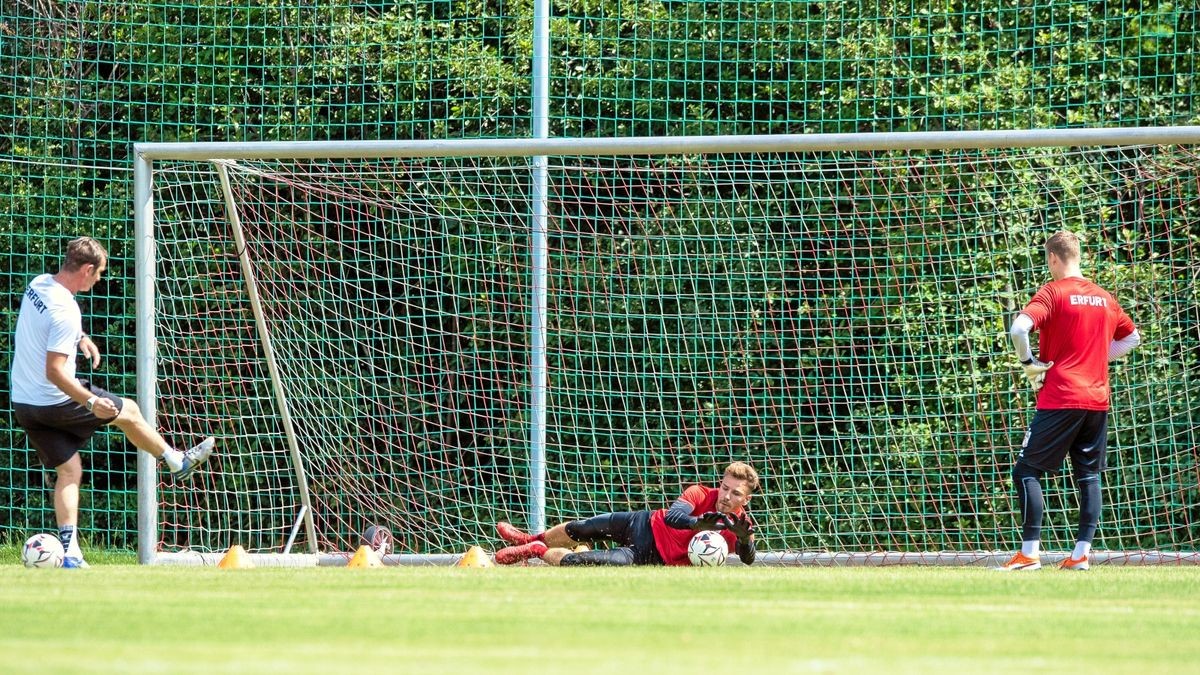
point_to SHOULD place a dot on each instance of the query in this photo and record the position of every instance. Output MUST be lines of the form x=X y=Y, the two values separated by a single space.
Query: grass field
x=121 y=618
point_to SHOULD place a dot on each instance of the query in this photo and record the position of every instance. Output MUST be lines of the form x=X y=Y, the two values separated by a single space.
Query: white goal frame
x=538 y=150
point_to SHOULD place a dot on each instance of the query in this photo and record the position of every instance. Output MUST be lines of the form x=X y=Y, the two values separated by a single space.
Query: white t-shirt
x=50 y=321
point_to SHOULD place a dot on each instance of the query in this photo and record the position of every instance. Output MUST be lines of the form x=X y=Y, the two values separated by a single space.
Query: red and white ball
x=42 y=550
x=708 y=549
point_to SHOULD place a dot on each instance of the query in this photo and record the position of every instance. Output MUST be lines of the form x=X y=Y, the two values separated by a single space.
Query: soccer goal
x=430 y=336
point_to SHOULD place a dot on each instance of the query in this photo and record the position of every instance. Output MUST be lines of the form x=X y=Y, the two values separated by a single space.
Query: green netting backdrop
x=80 y=81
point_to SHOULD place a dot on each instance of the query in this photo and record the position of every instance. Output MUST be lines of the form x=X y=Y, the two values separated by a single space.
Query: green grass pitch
x=120 y=618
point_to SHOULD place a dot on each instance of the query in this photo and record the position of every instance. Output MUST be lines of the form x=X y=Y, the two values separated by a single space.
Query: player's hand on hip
x=90 y=351
x=1035 y=372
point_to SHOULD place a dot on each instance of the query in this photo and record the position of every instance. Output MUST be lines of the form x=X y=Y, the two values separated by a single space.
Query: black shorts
x=1054 y=434
x=58 y=431
x=630 y=529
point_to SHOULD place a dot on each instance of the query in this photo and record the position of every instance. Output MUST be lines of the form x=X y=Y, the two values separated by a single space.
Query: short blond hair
x=84 y=251
x=1065 y=245
x=743 y=471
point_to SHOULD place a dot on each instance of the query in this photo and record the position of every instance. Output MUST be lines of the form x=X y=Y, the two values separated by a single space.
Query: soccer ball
x=42 y=550
x=708 y=549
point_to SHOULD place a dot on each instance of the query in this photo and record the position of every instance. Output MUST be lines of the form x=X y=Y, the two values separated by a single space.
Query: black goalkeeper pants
x=630 y=529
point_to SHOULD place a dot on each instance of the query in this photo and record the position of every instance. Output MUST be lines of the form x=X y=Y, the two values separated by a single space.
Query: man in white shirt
x=59 y=412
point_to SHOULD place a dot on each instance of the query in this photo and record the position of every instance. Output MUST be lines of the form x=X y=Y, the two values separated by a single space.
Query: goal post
x=268 y=352
x=383 y=333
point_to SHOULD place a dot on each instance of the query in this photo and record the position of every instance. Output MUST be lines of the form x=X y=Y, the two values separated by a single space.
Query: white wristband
x=91 y=402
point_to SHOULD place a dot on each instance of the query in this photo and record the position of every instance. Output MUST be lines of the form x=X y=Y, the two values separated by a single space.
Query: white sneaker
x=74 y=563
x=194 y=457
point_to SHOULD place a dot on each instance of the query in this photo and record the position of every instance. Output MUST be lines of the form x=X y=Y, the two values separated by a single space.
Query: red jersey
x=1078 y=320
x=672 y=543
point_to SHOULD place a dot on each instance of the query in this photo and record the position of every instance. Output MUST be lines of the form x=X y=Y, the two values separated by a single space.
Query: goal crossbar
x=531 y=147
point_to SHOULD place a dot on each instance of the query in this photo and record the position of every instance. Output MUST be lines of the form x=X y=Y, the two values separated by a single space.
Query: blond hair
x=743 y=471
x=1065 y=245
x=84 y=251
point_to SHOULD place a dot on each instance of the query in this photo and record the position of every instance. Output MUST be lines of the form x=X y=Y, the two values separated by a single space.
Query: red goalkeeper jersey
x=672 y=543
x=1077 y=321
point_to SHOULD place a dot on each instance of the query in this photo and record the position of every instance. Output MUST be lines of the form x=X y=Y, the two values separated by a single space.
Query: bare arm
x=90 y=351
x=56 y=373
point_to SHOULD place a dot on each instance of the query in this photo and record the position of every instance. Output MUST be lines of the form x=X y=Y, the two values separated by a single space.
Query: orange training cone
x=236 y=558
x=365 y=557
x=474 y=557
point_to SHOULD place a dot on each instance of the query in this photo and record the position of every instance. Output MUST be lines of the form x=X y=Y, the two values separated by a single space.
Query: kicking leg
x=182 y=464
x=139 y=432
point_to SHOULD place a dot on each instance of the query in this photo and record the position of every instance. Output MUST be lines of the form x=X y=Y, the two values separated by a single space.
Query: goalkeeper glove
x=1035 y=372
x=713 y=520
x=740 y=526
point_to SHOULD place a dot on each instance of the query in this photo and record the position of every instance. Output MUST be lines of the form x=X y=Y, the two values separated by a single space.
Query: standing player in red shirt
x=647 y=538
x=1082 y=329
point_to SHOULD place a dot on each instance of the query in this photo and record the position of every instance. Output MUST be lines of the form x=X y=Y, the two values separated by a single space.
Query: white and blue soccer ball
x=707 y=549
x=42 y=550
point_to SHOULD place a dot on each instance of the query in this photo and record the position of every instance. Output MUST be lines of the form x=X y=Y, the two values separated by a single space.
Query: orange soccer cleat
x=1021 y=563
x=1075 y=565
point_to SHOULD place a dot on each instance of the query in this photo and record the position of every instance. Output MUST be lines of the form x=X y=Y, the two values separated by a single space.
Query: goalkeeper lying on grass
x=647 y=538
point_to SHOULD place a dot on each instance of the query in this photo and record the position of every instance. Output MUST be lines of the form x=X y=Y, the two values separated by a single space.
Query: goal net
x=359 y=332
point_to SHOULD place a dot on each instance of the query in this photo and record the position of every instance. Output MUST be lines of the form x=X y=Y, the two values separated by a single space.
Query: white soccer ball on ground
x=42 y=550
x=708 y=549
